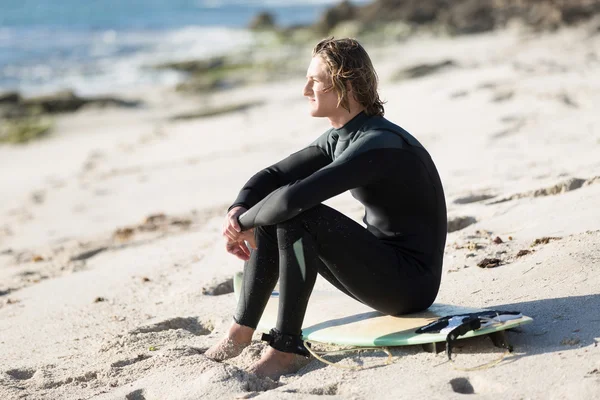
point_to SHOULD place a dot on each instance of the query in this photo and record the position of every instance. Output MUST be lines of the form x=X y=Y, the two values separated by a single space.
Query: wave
x=89 y=63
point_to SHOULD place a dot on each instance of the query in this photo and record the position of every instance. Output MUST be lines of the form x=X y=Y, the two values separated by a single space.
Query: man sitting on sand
x=393 y=265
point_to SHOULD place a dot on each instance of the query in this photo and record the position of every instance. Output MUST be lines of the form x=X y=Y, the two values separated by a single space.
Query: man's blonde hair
x=349 y=63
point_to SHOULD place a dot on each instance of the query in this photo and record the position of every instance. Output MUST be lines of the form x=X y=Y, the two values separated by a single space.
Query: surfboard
x=335 y=318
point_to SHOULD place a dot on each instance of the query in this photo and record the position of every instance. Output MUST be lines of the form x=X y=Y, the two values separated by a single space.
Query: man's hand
x=236 y=239
x=231 y=227
x=239 y=248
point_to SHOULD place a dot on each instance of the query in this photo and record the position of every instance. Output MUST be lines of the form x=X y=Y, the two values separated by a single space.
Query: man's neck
x=340 y=120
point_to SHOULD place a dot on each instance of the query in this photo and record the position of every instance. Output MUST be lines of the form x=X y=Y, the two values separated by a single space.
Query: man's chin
x=315 y=113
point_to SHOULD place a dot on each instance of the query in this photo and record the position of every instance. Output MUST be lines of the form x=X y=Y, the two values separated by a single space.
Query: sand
x=110 y=231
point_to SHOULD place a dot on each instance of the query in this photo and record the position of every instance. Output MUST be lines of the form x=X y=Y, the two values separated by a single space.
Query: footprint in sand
x=21 y=374
x=129 y=361
x=219 y=288
x=561 y=187
x=325 y=390
x=136 y=395
x=190 y=324
x=462 y=385
x=474 y=198
x=458 y=223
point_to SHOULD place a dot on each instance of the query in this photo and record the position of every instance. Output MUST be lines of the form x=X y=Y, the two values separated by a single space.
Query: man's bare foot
x=236 y=340
x=275 y=363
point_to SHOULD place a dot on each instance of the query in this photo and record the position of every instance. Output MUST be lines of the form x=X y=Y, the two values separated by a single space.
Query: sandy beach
x=110 y=230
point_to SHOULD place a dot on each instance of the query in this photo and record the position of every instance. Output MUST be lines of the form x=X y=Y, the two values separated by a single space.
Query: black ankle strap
x=286 y=343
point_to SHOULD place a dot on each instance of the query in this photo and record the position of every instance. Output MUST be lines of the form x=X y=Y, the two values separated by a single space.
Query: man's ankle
x=240 y=333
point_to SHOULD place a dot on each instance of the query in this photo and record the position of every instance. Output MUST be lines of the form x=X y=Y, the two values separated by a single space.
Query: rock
x=194 y=66
x=262 y=21
x=581 y=10
x=68 y=101
x=522 y=253
x=344 y=11
x=471 y=16
x=489 y=263
x=10 y=97
x=544 y=240
x=103 y=102
x=415 y=11
x=62 y=101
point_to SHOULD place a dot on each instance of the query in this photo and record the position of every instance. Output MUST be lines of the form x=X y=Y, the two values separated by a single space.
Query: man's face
x=319 y=90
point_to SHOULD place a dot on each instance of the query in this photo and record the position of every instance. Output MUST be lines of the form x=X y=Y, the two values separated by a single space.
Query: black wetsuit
x=394 y=265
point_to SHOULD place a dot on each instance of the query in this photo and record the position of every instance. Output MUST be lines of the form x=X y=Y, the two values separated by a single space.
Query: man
x=393 y=265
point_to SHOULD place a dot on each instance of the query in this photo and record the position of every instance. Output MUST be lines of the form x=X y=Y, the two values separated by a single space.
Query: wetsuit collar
x=346 y=131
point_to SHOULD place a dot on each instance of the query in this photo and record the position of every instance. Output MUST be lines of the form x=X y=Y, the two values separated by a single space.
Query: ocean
x=98 y=46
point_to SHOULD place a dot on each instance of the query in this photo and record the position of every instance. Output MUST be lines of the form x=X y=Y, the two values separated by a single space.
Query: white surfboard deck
x=333 y=317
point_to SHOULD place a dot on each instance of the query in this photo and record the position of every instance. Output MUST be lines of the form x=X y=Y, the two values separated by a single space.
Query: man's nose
x=307 y=91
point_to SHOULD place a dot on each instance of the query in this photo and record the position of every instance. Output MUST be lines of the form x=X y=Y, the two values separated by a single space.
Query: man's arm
x=292 y=168
x=343 y=174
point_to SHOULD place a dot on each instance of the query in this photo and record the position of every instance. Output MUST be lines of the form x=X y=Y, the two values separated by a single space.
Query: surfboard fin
x=458 y=325
x=467 y=325
x=286 y=343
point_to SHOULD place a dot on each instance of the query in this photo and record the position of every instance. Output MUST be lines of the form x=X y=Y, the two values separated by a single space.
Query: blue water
x=94 y=46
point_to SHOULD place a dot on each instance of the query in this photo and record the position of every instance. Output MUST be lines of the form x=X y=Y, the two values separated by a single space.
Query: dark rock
x=262 y=21
x=471 y=16
x=344 y=11
x=103 y=102
x=9 y=97
x=67 y=101
x=489 y=263
x=544 y=240
x=581 y=10
x=415 y=11
x=63 y=101
x=522 y=253
x=194 y=66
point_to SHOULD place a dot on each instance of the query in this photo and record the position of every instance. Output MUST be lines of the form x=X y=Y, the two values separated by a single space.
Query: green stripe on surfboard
x=333 y=317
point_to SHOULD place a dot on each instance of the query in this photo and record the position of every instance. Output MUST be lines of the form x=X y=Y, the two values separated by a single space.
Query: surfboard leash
x=318 y=354
x=482 y=366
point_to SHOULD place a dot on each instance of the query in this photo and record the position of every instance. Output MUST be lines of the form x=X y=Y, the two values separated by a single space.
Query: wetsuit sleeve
x=296 y=166
x=353 y=169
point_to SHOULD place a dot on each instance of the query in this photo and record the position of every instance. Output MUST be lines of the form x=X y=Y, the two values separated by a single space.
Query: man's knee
x=305 y=218
x=267 y=232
